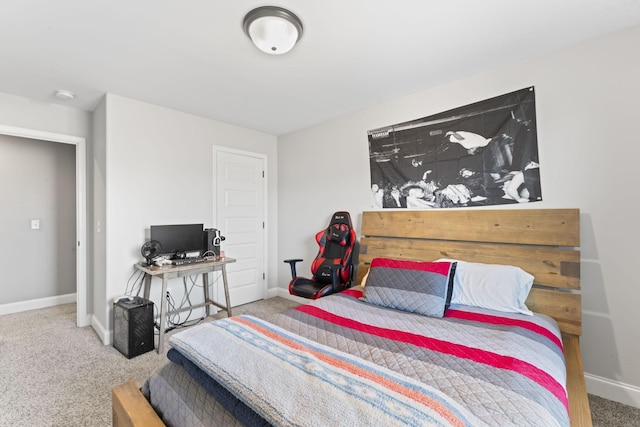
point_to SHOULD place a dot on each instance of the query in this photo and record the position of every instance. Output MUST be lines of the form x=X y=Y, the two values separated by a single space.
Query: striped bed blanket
x=342 y=361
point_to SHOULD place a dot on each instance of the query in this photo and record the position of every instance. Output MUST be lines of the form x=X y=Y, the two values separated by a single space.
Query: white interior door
x=240 y=212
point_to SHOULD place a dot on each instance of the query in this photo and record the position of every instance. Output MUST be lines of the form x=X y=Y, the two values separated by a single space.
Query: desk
x=167 y=272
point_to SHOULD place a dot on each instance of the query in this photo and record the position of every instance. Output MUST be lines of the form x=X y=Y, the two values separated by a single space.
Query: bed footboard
x=131 y=409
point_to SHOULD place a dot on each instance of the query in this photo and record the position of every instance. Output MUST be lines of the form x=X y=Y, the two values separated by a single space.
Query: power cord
x=173 y=320
x=134 y=283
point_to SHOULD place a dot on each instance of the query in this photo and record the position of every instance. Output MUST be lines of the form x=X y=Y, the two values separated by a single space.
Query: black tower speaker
x=133 y=330
x=212 y=241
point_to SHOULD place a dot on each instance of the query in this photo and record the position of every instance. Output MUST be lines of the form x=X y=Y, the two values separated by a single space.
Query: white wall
x=587 y=102
x=159 y=170
x=97 y=225
x=27 y=113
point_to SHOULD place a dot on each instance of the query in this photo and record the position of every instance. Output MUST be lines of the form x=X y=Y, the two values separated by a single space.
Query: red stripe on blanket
x=327 y=358
x=352 y=293
x=433 y=267
x=481 y=356
x=497 y=320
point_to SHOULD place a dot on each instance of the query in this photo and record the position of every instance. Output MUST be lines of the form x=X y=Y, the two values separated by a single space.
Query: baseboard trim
x=85 y=321
x=284 y=293
x=34 y=304
x=104 y=334
x=272 y=292
x=613 y=390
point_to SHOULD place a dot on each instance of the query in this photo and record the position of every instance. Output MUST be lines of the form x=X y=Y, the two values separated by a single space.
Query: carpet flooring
x=55 y=374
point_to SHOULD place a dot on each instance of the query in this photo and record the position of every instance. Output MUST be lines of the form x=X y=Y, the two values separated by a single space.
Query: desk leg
x=147 y=285
x=163 y=314
x=205 y=287
x=226 y=289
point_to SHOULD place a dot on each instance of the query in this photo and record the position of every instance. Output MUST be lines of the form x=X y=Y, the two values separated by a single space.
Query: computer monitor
x=178 y=238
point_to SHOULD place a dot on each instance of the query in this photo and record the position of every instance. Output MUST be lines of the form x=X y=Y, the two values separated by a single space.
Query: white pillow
x=493 y=286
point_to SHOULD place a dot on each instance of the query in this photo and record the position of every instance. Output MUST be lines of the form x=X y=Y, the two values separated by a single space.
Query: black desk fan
x=150 y=250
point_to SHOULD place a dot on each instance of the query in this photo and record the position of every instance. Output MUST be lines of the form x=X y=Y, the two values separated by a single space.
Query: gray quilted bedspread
x=506 y=369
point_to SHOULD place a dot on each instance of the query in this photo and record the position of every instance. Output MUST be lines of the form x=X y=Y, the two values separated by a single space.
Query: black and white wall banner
x=481 y=154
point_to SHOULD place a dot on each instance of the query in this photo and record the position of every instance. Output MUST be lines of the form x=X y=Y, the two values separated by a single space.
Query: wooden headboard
x=543 y=242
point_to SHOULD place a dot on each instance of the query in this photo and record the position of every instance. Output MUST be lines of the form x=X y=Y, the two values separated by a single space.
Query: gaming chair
x=332 y=268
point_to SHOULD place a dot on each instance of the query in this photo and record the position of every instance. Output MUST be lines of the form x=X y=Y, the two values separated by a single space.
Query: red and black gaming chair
x=332 y=268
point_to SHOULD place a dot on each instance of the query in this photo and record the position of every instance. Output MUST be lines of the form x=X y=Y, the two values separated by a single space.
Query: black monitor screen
x=178 y=238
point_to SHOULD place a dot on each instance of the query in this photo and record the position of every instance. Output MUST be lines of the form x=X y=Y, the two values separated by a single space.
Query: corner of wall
x=105 y=335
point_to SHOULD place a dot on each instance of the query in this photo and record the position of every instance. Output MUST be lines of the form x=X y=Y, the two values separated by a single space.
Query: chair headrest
x=339 y=233
x=341 y=218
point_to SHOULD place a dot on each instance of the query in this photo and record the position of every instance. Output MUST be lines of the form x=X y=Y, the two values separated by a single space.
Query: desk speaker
x=212 y=241
x=133 y=330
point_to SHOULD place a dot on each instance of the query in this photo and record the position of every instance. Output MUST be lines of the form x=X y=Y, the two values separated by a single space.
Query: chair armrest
x=292 y=264
x=334 y=276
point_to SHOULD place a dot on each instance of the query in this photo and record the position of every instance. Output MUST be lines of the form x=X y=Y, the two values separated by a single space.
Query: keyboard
x=184 y=261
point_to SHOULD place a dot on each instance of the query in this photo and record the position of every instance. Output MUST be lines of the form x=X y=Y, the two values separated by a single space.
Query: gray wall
x=154 y=165
x=587 y=102
x=17 y=111
x=38 y=182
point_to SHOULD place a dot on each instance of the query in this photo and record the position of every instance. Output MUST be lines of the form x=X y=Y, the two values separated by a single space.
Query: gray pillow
x=412 y=286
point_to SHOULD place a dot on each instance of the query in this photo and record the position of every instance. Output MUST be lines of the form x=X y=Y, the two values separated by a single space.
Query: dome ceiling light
x=64 y=94
x=272 y=29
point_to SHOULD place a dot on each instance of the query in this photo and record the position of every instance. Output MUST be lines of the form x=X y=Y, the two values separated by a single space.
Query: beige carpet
x=54 y=374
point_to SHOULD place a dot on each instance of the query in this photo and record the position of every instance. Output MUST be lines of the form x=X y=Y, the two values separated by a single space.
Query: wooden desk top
x=210 y=265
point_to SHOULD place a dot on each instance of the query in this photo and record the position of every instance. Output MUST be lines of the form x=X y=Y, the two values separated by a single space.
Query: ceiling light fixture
x=64 y=94
x=272 y=29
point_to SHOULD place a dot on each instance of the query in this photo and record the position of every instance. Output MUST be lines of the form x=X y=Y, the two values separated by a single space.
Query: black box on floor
x=133 y=330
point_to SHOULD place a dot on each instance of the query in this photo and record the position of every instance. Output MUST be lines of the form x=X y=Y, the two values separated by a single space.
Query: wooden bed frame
x=543 y=242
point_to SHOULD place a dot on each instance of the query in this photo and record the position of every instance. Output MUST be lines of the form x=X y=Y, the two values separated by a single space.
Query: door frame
x=265 y=253
x=82 y=317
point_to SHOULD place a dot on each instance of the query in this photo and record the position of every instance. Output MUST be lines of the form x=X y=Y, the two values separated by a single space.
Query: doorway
x=240 y=194
x=82 y=317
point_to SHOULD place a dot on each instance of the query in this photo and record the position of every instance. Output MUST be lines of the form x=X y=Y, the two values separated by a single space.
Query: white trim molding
x=34 y=304
x=271 y=292
x=105 y=335
x=613 y=390
x=284 y=293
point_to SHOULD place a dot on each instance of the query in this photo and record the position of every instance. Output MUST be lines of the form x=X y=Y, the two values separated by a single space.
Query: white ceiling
x=193 y=56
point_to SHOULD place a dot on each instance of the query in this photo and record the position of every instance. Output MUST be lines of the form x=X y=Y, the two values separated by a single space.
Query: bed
x=366 y=370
